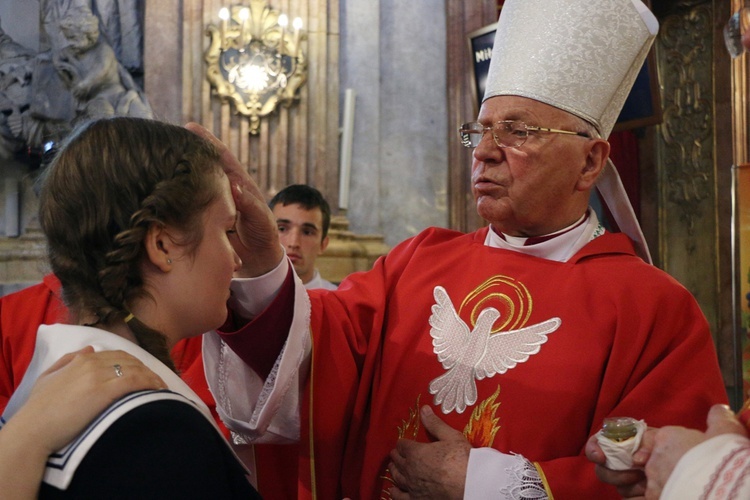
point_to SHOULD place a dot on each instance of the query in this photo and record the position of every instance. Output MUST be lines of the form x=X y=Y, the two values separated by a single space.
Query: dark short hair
x=308 y=198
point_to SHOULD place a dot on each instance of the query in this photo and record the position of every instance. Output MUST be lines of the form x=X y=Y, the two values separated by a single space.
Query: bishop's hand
x=257 y=239
x=434 y=470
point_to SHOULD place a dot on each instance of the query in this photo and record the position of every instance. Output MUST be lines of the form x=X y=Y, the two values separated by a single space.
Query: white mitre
x=581 y=56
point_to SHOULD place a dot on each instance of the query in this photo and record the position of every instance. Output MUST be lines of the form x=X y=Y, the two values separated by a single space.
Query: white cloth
x=492 y=474
x=620 y=453
x=560 y=248
x=259 y=411
x=579 y=56
x=318 y=282
x=54 y=341
x=264 y=290
x=716 y=469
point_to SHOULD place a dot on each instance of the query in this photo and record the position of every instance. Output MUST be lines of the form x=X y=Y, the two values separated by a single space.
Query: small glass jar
x=619 y=429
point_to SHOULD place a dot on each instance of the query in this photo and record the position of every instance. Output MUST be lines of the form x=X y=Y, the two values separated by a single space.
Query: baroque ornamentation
x=254 y=61
x=684 y=55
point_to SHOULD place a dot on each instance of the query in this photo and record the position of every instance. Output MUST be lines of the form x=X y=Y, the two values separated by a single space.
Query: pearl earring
x=169 y=261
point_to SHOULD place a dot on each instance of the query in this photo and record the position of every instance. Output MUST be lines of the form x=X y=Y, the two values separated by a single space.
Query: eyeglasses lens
x=471 y=134
x=510 y=134
x=507 y=134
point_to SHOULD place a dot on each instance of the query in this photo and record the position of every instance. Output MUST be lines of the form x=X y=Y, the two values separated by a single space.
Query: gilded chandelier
x=254 y=60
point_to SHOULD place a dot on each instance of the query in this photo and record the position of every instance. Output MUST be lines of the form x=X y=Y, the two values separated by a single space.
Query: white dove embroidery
x=478 y=353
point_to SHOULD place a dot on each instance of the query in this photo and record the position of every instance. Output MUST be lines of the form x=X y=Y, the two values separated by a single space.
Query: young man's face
x=301 y=234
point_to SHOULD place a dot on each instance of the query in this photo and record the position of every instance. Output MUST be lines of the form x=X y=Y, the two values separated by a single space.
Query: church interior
x=365 y=104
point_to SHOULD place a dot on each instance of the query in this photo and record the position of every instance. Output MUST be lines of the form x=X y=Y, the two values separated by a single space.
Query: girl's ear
x=159 y=247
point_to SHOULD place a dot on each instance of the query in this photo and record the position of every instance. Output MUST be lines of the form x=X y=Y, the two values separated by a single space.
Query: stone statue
x=15 y=93
x=42 y=96
x=87 y=65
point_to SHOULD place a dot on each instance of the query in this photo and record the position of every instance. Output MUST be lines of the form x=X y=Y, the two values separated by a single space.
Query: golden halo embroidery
x=479 y=353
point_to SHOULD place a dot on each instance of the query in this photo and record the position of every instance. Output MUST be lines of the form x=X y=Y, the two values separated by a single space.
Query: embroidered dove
x=477 y=353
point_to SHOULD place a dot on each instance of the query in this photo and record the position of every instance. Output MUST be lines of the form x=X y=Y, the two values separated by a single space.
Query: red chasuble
x=568 y=344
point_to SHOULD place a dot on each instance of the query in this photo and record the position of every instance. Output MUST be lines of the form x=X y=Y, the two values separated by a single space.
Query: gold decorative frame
x=254 y=60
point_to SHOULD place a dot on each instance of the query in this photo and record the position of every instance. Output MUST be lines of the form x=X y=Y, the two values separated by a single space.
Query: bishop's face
x=540 y=186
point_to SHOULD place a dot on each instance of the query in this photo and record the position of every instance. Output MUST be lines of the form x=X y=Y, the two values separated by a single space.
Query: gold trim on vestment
x=544 y=481
x=313 y=488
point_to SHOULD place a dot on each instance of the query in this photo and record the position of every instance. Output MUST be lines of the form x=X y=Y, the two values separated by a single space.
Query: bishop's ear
x=597 y=153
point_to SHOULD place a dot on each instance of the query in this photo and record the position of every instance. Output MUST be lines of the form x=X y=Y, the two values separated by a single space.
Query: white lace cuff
x=492 y=474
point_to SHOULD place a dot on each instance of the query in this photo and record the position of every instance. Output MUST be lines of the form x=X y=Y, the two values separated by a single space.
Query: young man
x=303 y=218
x=522 y=336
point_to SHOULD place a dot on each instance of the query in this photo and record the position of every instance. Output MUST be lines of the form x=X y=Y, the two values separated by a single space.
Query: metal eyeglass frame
x=467 y=130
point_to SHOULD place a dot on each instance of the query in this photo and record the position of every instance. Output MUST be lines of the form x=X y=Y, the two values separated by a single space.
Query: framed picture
x=641 y=108
x=643 y=105
x=480 y=48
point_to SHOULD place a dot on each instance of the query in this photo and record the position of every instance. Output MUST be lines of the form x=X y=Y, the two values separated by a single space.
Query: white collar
x=52 y=342
x=560 y=248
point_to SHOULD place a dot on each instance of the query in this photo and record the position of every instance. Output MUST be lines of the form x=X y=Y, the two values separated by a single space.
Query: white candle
x=244 y=16
x=347 y=136
x=224 y=16
x=283 y=22
x=297 y=26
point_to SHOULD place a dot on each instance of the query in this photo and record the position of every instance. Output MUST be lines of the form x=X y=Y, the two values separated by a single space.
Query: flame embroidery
x=407 y=430
x=410 y=427
x=483 y=424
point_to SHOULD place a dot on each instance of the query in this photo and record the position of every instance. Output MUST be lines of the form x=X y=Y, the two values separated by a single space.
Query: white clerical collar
x=558 y=246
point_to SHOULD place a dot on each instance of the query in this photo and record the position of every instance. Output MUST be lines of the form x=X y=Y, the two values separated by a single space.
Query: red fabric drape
x=624 y=154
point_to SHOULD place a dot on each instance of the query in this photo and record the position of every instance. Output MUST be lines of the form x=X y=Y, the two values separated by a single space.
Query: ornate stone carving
x=42 y=96
x=684 y=53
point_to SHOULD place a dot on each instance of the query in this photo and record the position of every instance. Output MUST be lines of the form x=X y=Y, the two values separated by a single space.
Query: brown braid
x=109 y=183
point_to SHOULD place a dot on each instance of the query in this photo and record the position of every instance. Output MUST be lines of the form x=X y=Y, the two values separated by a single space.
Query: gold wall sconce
x=255 y=60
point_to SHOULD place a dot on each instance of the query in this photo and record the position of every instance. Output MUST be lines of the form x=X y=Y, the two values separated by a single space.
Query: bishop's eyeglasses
x=507 y=133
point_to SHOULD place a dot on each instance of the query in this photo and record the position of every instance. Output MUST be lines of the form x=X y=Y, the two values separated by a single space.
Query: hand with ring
x=78 y=387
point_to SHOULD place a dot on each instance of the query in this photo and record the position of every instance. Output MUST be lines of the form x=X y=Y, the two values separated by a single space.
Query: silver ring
x=118 y=370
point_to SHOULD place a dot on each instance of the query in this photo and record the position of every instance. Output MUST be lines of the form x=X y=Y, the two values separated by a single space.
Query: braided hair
x=108 y=184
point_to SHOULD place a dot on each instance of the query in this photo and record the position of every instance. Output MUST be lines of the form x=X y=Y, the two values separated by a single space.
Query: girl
x=138 y=216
